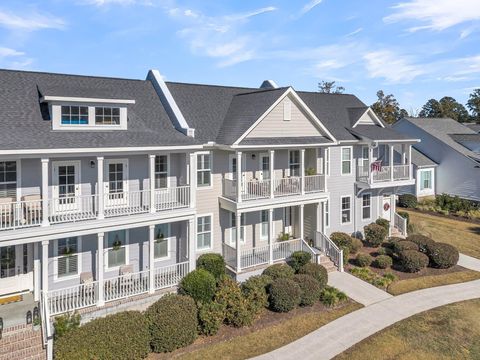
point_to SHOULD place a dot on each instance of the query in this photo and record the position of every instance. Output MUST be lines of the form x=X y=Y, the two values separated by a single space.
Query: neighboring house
x=473 y=126
x=111 y=188
x=454 y=147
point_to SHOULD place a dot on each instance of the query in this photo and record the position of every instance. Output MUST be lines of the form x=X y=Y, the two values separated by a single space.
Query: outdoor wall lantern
x=29 y=317
x=36 y=314
x=1 y=327
x=253 y=156
x=92 y=164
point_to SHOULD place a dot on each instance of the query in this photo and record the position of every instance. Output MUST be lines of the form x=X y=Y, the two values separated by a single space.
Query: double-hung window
x=74 y=115
x=366 y=206
x=426 y=180
x=8 y=179
x=264 y=224
x=116 y=248
x=346 y=203
x=204 y=170
x=204 y=232
x=161 y=171
x=294 y=162
x=107 y=115
x=161 y=244
x=346 y=161
x=67 y=258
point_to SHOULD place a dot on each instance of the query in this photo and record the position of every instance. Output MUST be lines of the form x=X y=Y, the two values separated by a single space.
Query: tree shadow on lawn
x=475 y=229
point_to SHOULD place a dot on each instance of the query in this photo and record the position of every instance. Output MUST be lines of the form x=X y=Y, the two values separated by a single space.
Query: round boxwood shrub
x=317 y=271
x=310 y=289
x=356 y=245
x=407 y=201
x=375 y=234
x=213 y=263
x=255 y=288
x=239 y=309
x=383 y=261
x=199 y=284
x=279 y=271
x=442 y=256
x=341 y=239
x=382 y=251
x=298 y=259
x=122 y=336
x=403 y=245
x=383 y=222
x=422 y=241
x=285 y=295
x=172 y=322
x=413 y=261
x=210 y=317
x=363 y=260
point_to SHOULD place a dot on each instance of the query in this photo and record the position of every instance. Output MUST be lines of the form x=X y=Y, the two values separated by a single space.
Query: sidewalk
x=469 y=262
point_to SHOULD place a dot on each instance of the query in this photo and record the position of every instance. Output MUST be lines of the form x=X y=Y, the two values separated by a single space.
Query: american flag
x=376 y=166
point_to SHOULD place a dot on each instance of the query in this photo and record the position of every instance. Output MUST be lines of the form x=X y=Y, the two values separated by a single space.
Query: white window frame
x=111 y=107
x=287 y=109
x=294 y=163
x=107 y=249
x=166 y=238
x=364 y=207
x=73 y=106
x=162 y=172
x=243 y=219
x=327 y=214
x=56 y=256
x=431 y=189
x=341 y=209
x=197 y=249
x=262 y=236
x=200 y=187
x=327 y=161
x=18 y=182
x=342 y=161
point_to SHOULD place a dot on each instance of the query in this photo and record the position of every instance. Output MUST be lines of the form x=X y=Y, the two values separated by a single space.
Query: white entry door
x=264 y=167
x=66 y=185
x=116 y=182
x=386 y=207
x=16 y=274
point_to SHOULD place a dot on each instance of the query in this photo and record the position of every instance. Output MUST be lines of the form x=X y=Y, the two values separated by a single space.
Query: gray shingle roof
x=474 y=127
x=355 y=114
x=24 y=124
x=465 y=137
x=375 y=132
x=421 y=160
x=286 y=140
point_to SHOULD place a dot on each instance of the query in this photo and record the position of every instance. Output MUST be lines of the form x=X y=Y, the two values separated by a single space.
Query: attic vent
x=287 y=110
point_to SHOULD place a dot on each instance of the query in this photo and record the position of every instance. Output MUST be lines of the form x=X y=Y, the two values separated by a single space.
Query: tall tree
x=387 y=108
x=431 y=109
x=446 y=107
x=474 y=105
x=329 y=87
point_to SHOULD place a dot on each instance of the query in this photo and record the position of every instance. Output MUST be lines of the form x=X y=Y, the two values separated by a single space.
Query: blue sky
x=415 y=49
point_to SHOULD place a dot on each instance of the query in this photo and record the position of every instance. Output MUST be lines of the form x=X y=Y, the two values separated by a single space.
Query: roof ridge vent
x=269 y=84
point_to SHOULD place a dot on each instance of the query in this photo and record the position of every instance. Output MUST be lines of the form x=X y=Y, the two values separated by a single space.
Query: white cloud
x=394 y=68
x=435 y=14
x=354 y=32
x=6 y=52
x=309 y=6
x=31 y=22
x=109 y=2
x=14 y=59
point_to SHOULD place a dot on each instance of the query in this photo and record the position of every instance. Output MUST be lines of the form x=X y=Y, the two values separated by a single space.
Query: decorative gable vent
x=287 y=110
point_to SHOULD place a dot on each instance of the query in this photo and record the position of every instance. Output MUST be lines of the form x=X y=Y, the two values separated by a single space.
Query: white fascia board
x=86 y=100
x=169 y=103
x=282 y=146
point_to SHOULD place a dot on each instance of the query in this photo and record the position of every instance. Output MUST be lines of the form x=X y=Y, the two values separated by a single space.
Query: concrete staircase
x=396 y=233
x=327 y=263
x=21 y=342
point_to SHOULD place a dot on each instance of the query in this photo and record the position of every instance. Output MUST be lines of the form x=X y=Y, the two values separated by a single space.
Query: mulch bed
x=266 y=319
x=449 y=216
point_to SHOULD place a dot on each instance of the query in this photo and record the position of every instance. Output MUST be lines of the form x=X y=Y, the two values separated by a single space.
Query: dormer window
x=74 y=115
x=107 y=115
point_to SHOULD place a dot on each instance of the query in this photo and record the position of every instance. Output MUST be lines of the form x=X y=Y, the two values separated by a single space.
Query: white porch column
x=151 y=178
x=100 y=188
x=270 y=236
x=238 y=154
x=320 y=222
x=45 y=200
x=370 y=160
x=271 y=163
x=193 y=179
x=151 y=259
x=302 y=170
x=45 y=265
x=192 y=239
x=410 y=168
x=404 y=154
x=36 y=272
x=390 y=147
x=238 y=225
x=300 y=215
x=100 y=269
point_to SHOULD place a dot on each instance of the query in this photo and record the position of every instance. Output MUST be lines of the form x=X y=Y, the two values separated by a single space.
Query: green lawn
x=447 y=332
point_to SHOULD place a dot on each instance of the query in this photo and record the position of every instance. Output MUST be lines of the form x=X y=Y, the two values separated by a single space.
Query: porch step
x=396 y=233
x=22 y=343
x=327 y=263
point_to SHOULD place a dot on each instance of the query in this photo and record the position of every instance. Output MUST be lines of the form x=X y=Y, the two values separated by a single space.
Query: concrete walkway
x=469 y=262
x=357 y=289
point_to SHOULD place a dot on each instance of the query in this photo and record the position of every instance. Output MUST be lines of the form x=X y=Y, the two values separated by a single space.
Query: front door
x=116 y=184
x=66 y=185
x=386 y=205
x=264 y=167
x=16 y=273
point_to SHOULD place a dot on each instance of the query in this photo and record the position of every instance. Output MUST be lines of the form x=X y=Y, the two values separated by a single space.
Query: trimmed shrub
x=122 y=336
x=317 y=271
x=356 y=245
x=172 y=322
x=199 y=284
x=407 y=201
x=363 y=260
x=310 y=289
x=403 y=245
x=382 y=251
x=213 y=263
x=298 y=259
x=239 y=309
x=422 y=241
x=65 y=323
x=393 y=240
x=210 y=317
x=278 y=271
x=285 y=295
x=375 y=234
x=341 y=239
x=331 y=296
x=413 y=261
x=404 y=215
x=383 y=261
x=384 y=223
x=255 y=288
x=442 y=256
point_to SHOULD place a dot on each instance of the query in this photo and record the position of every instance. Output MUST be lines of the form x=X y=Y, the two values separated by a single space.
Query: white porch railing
x=255 y=189
x=314 y=253
x=314 y=183
x=230 y=255
x=127 y=203
x=400 y=223
x=126 y=285
x=329 y=248
x=400 y=172
x=172 y=198
x=47 y=333
x=20 y=214
x=230 y=189
x=168 y=276
x=254 y=256
x=287 y=186
x=72 y=209
x=72 y=298
x=284 y=249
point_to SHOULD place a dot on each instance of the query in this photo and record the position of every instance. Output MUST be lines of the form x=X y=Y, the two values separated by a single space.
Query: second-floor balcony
x=381 y=174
